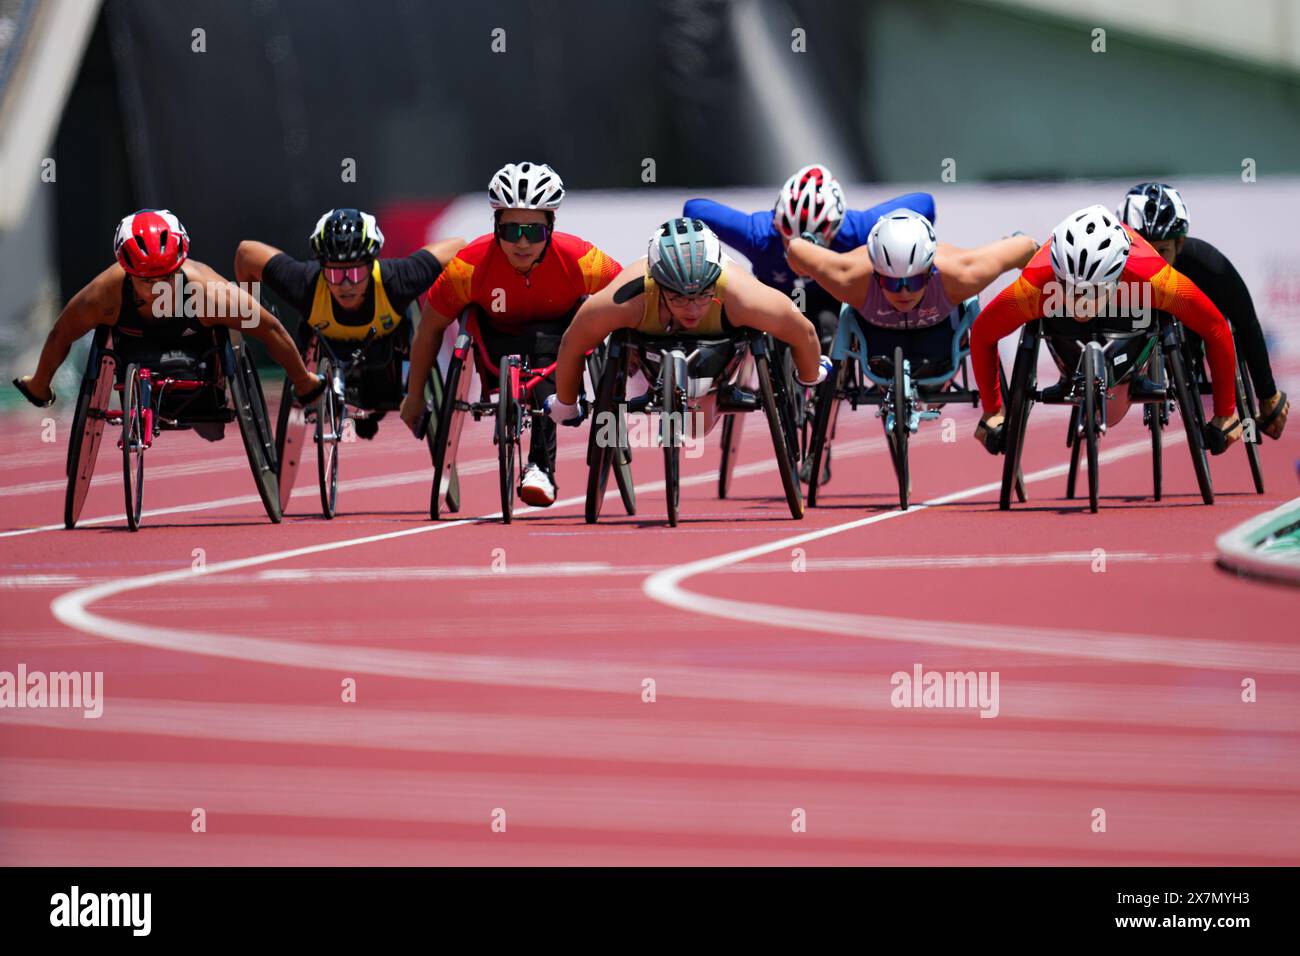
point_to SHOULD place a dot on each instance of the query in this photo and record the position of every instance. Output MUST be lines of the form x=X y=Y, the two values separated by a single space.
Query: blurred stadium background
x=110 y=106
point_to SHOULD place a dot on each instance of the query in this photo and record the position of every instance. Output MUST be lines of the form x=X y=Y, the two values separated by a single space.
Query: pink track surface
x=521 y=690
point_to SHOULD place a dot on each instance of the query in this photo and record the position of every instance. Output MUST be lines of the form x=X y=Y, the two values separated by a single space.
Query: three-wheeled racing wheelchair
x=204 y=387
x=1106 y=365
x=367 y=381
x=690 y=377
x=905 y=389
x=506 y=396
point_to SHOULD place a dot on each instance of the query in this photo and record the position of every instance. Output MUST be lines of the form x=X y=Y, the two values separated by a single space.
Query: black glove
x=315 y=393
x=27 y=394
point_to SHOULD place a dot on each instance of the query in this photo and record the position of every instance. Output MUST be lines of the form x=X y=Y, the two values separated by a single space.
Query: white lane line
x=666 y=587
x=419 y=475
x=599 y=569
x=156 y=473
x=303 y=491
x=72 y=609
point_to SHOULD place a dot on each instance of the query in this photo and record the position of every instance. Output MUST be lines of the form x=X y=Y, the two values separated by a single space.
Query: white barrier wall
x=1256 y=225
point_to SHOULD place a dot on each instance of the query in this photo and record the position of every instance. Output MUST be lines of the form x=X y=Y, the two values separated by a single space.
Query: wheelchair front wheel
x=135 y=400
x=329 y=424
x=900 y=431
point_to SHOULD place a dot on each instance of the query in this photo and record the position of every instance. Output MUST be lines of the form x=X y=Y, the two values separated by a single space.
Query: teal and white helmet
x=685 y=256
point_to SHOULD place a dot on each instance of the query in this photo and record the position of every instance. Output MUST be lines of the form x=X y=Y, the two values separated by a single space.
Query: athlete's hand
x=987 y=427
x=40 y=397
x=563 y=413
x=1229 y=437
x=307 y=390
x=823 y=369
x=412 y=409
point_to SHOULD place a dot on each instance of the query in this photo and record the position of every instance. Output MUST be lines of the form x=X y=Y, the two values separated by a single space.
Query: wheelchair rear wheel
x=1189 y=409
x=254 y=427
x=291 y=432
x=1247 y=409
x=1021 y=389
x=777 y=405
x=451 y=419
x=608 y=411
x=825 y=409
x=88 y=427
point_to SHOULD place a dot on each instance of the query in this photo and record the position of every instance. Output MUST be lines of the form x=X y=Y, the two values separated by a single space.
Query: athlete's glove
x=315 y=392
x=27 y=394
x=823 y=369
x=562 y=413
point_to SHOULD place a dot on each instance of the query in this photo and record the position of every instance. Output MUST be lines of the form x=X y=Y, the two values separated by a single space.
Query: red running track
x=521 y=690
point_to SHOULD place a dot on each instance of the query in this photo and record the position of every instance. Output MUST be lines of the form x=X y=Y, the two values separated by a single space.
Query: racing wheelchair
x=509 y=404
x=1155 y=415
x=365 y=381
x=166 y=390
x=904 y=393
x=1106 y=364
x=685 y=374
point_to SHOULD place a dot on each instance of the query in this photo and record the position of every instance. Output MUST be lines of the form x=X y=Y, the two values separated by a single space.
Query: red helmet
x=151 y=243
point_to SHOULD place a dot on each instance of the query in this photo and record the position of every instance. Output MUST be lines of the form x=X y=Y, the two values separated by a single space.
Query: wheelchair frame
x=139 y=414
x=670 y=360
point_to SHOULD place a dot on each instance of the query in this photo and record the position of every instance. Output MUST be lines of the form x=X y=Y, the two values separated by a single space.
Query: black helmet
x=346 y=235
x=1155 y=210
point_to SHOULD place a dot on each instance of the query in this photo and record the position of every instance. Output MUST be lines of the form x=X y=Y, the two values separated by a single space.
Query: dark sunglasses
x=513 y=231
x=335 y=275
x=905 y=284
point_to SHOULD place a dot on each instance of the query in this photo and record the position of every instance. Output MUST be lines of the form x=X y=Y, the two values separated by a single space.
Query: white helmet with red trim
x=810 y=201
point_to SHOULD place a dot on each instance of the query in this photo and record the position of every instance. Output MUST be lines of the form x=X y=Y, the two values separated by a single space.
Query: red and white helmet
x=151 y=243
x=810 y=201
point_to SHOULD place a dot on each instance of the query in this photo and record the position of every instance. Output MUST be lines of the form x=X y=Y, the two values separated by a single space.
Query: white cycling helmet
x=902 y=244
x=526 y=186
x=810 y=201
x=1090 y=248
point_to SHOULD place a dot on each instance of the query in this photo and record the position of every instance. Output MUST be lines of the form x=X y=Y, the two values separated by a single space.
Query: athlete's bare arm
x=424 y=352
x=758 y=306
x=251 y=258
x=967 y=272
x=97 y=304
x=444 y=250
x=845 y=275
x=227 y=304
